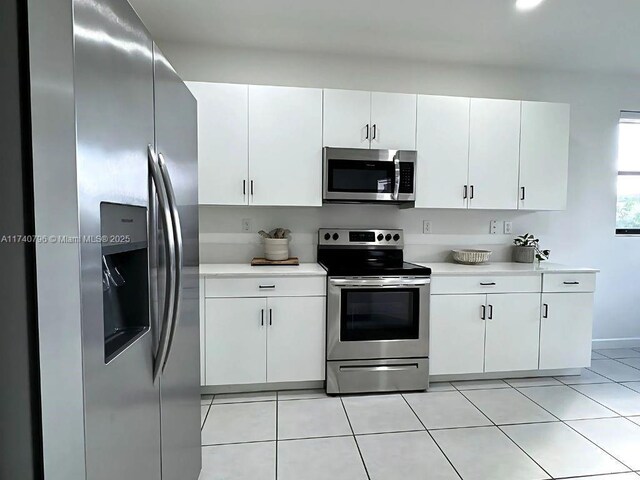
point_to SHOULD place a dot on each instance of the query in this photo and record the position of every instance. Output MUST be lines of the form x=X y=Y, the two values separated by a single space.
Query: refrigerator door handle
x=170 y=273
x=178 y=252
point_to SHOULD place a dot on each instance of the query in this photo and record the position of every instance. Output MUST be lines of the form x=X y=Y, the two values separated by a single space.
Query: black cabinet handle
x=244 y=187
x=487 y=284
x=472 y=191
x=251 y=187
x=522 y=192
x=267 y=287
x=367 y=135
x=571 y=283
x=545 y=310
x=262 y=317
x=270 y=317
x=465 y=192
x=490 y=312
x=375 y=131
x=483 y=312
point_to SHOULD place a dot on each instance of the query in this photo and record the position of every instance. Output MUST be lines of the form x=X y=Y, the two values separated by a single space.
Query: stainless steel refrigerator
x=104 y=309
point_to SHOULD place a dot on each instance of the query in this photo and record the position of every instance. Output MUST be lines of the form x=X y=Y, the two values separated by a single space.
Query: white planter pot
x=276 y=248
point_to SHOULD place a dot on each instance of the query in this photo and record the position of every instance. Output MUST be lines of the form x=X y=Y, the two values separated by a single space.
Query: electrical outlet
x=426 y=226
x=246 y=224
x=493 y=227
x=508 y=227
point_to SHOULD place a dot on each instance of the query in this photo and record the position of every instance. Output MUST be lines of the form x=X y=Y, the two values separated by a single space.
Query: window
x=628 y=205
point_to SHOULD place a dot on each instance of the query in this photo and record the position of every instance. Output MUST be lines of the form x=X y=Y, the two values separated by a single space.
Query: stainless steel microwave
x=356 y=175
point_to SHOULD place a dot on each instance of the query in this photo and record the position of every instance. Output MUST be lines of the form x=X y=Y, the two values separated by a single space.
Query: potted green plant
x=527 y=249
x=276 y=243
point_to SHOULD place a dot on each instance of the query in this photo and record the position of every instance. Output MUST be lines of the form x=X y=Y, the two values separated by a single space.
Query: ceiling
x=583 y=35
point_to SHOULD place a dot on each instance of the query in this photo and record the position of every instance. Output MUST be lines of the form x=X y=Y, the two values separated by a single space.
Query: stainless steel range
x=377 y=313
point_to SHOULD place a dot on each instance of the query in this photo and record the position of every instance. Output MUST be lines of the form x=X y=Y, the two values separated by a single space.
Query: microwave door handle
x=178 y=252
x=170 y=258
x=396 y=187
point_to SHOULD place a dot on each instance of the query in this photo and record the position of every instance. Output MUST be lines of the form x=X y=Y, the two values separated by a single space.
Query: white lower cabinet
x=456 y=337
x=512 y=336
x=254 y=340
x=295 y=339
x=565 y=332
x=236 y=340
x=524 y=324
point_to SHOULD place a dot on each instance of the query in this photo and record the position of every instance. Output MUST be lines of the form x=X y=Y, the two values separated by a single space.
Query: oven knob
x=336 y=236
x=327 y=236
x=380 y=237
x=396 y=237
x=388 y=237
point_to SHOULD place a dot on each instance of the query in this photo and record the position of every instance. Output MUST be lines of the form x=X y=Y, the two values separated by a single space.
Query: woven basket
x=471 y=257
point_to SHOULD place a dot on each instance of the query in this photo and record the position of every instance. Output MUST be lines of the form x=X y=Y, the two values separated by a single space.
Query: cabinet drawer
x=486 y=284
x=293 y=286
x=568 y=282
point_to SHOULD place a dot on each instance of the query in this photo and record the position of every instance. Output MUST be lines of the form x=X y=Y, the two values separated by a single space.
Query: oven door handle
x=379 y=368
x=422 y=282
x=396 y=184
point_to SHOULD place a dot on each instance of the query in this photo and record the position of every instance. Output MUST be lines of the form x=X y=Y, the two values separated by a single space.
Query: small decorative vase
x=524 y=254
x=276 y=248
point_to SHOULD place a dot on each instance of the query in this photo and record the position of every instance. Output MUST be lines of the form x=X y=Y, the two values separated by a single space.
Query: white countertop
x=246 y=270
x=446 y=268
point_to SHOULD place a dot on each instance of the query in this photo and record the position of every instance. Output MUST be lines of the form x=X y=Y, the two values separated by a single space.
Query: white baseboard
x=601 y=343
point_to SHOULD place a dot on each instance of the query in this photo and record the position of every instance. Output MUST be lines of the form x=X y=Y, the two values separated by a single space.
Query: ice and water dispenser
x=125 y=276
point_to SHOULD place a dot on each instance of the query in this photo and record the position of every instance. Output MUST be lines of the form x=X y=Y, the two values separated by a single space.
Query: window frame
x=627 y=117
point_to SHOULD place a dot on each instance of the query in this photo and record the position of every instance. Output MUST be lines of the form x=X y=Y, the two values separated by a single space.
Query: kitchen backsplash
x=223 y=241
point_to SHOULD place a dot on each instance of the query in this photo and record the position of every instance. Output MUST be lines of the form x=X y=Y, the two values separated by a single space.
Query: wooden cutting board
x=257 y=261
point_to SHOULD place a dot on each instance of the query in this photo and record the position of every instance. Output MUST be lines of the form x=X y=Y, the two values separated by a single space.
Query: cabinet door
x=544 y=156
x=443 y=151
x=456 y=335
x=296 y=339
x=347 y=118
x=393 y=121
x=223 y=146
x=565 y=333
x=494 y=153
x=513 y=330
x=285 y=146
x=203 y=338
x=236 y=340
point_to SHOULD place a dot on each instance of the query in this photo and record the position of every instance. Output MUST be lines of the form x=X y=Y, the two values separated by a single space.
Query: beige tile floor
x=585 y=427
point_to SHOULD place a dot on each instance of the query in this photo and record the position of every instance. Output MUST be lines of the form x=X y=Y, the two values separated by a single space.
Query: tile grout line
x=432 y=437
x=569 y=426
x=505 y=434
x=355 y=440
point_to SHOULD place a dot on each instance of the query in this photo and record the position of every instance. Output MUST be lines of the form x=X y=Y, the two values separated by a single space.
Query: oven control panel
x=360 y=237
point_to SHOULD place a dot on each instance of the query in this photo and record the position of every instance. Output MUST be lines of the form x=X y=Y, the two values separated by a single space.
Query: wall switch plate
x=246 y=224
x=508 y=227
x=426 y=226
x=493 y=227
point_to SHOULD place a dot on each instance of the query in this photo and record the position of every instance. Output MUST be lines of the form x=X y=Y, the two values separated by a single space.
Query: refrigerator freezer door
x=115 y=125
x=176 y=143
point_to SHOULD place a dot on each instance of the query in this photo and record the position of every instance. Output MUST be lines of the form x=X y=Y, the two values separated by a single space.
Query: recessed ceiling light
x=527 y=4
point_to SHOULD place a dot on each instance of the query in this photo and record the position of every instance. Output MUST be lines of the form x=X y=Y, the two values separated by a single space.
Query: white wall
x=582 y=235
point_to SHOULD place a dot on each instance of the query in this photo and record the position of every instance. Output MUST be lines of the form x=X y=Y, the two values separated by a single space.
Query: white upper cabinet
x=222 y=142
x=544 y=156
x=356 y=119
x=443 y=152
x=347 y=118
x=393 y=121
x=285 y=146
x=494 y=154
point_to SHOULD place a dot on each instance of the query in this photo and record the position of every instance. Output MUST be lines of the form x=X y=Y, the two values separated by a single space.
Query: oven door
x=358 y=175
x=373 y=318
